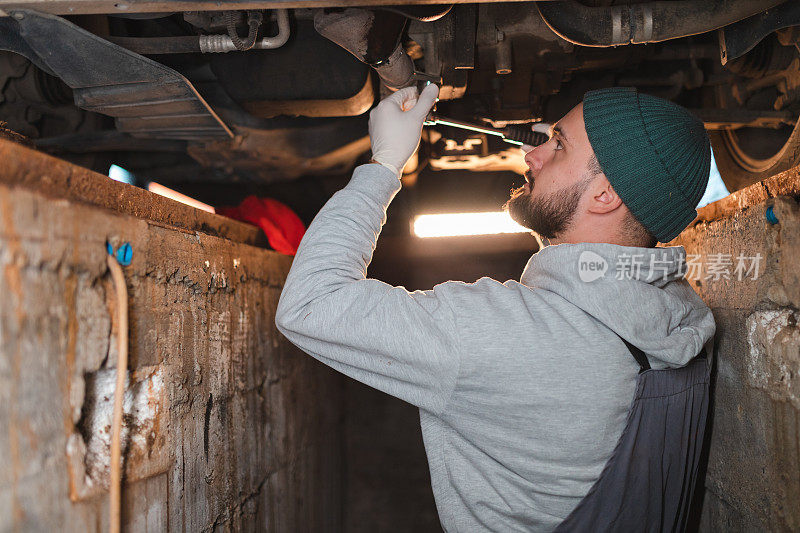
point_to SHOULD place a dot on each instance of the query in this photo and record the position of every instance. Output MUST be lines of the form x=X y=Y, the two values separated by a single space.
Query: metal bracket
x=740 y=37
x=11 y=41
x=146 y=98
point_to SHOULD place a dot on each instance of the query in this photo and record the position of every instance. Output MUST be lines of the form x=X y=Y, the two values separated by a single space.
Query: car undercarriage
x=262 y=93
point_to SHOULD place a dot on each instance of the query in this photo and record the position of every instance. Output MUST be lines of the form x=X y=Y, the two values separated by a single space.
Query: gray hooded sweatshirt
x=523 y=387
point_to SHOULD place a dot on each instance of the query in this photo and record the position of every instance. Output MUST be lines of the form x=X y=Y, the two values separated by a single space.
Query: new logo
x=591 y=266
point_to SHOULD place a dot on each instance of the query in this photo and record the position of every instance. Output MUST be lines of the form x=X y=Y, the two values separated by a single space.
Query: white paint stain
x=773 y=361
x=142 y=404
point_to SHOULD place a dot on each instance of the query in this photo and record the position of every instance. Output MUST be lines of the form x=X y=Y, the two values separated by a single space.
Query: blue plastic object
x=123 y=255
x=771 y=218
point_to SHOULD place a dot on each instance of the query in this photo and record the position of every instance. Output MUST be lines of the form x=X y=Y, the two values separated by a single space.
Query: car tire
x=740 y=166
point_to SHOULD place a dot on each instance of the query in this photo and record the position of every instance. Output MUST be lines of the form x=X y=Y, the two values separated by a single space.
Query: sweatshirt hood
x=639 y=293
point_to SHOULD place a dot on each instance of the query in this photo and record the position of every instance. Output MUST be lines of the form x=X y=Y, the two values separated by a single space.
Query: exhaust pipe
x=644 y=23
x=373 y=37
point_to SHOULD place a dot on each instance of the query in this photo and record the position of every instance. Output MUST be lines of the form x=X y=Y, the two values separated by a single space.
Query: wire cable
x=254 y=19
x=115 y=488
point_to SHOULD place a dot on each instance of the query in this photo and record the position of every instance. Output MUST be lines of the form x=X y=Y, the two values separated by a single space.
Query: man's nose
x=535 y=158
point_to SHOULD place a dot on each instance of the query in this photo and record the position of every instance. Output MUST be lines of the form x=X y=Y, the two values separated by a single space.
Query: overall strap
x=639 y=355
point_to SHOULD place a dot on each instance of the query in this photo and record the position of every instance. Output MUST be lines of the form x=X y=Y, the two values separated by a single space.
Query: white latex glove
x=395 y=126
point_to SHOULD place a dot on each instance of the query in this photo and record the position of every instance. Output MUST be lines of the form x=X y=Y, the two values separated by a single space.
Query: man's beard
x=550 y=215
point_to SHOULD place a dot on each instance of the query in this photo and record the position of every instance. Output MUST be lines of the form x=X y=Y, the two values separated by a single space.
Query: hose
x=224 y=43
x=254 y=19
x=220 y=43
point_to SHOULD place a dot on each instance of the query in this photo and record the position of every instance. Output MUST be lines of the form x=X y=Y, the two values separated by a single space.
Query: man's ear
x=603 y=198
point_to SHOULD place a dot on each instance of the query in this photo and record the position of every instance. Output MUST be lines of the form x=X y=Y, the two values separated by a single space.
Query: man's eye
x=559 y=146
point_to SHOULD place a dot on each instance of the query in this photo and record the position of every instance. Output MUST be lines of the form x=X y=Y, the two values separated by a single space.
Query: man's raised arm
x=403 y=343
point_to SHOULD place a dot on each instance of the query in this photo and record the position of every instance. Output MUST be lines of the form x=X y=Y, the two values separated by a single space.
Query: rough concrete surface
x=56 y=178
x=227 y=426
x=753 y=475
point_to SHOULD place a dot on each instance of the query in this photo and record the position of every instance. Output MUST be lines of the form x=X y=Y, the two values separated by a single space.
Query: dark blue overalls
x=648 y=482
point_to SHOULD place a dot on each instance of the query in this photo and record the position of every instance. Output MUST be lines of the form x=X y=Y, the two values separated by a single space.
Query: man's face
x=557 y=177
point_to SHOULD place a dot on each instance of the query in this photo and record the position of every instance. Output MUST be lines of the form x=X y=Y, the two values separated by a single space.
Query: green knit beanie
x=655 y=154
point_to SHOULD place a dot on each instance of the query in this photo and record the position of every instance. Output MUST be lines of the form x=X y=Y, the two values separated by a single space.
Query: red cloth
x=283 y=227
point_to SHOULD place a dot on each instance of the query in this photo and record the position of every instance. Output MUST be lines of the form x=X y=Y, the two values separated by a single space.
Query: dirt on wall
x=227 y=425
x=745 y=269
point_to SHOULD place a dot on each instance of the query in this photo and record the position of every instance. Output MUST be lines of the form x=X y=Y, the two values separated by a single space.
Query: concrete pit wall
x=227 y=425
x=753 y=476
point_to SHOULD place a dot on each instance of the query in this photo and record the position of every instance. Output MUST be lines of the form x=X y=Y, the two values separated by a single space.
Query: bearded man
x=571 y=399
